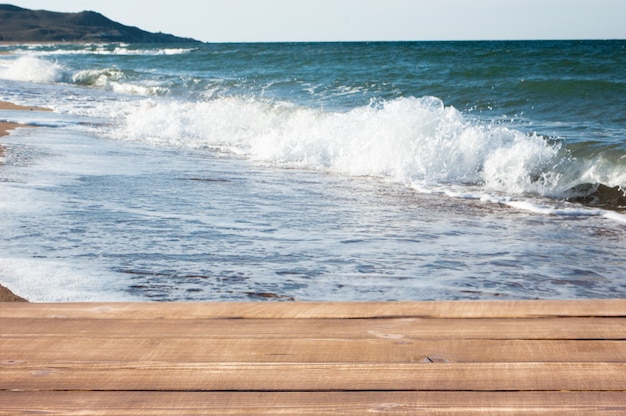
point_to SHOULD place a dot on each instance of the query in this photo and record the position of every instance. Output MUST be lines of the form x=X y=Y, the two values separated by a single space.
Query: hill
x=24 y=25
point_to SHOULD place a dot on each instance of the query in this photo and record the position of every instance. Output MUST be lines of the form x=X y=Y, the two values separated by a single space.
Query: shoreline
x=7 y=126
x=6 y=295
x=6 y=105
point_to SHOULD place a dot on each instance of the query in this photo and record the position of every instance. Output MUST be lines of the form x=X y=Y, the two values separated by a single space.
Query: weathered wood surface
x=338 y=310
x=521 y=357
x=313 y=403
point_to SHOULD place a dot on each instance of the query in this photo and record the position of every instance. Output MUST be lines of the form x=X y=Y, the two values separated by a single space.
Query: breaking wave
x=38 y=70
x=32 y=69
x=116 y=80
x=119 y=49
x=419 y=142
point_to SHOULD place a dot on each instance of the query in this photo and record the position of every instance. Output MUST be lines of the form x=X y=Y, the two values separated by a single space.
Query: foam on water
x=32 y=69
x=58 y=281
x=418 y=142
x=92 y=219
x=119 y=49
x=39 y=70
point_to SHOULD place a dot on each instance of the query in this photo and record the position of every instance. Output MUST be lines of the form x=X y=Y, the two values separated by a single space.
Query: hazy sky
x=328 y=20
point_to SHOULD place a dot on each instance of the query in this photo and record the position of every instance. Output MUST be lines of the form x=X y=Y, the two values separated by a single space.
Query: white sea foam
x=39 y=70
x=100 y=49
x=32 y=69
x=578 y=211
x=552 y=210
x=41 y=280
x=149 y=52
x=418 y=142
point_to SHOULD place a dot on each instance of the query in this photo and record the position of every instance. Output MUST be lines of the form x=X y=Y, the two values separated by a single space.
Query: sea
x=366 y=171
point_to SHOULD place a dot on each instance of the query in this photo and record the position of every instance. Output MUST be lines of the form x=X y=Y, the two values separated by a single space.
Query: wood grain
x=313 y=403
x=156 y=376
x=331 y=310
x=81 y=349
x=520 y=357
x=384 y=328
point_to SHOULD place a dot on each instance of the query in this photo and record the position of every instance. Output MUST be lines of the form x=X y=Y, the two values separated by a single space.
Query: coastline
x=6 y=295
x=6 y=105
x=6 y=126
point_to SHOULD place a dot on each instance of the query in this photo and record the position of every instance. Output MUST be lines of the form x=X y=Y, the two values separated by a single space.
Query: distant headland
x=23 y=25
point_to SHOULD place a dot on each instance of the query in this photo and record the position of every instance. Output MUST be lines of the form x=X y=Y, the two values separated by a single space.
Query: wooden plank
x=81 y=349
x=157 y=376
x=312 y=403
x=397 y=329
x=317 y=310
x=547 y=357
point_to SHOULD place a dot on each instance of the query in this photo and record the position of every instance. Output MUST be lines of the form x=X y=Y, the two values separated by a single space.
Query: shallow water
x=391 y=171
x=93 y=219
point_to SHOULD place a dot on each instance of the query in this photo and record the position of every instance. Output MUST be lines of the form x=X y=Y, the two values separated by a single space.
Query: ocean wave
x=91 y=77
x=116 y=80
x=419 y=142
x=120 y=49
x=32 y=69
x=39 y=70
x=148 y=52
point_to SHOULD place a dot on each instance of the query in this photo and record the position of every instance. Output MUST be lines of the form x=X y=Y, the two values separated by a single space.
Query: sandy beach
x=5 y=294
x=4 y=105
x=6 y=126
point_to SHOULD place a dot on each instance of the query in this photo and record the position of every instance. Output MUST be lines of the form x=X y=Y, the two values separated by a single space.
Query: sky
x=359 y=20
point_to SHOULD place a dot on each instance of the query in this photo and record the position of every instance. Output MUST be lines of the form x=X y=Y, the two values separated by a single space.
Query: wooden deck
x=519 y=357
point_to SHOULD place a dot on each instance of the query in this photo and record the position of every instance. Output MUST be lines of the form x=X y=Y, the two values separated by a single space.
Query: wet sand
x=5 y=105
x=7 y=296
x=6 y=126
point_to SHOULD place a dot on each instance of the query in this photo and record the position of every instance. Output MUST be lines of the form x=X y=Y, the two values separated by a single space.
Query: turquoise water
x=316 y=171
